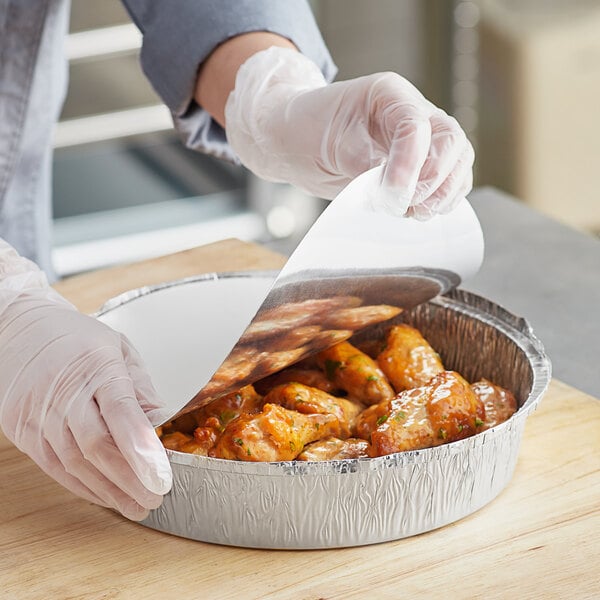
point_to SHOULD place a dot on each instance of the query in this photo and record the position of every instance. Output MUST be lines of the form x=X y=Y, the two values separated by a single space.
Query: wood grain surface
x=538 y=539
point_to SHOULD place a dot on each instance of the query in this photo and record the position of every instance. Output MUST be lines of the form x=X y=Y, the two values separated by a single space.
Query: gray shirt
x=178 y=36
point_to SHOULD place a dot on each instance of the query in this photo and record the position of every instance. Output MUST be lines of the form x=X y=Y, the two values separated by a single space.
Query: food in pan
x=389 y=396
x=273 y=434
x=407 y=359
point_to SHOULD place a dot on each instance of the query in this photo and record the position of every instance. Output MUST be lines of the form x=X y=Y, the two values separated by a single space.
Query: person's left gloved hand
x=287 y=124
x=75 y=396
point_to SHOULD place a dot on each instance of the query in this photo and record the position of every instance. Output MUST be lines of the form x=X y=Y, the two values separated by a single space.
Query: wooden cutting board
x=538 y=539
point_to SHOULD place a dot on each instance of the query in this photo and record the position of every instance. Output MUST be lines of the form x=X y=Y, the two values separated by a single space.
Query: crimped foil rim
x=515 y=328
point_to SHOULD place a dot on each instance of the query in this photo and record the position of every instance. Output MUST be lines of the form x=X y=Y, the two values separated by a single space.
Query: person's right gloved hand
x=287 y=124
x=75 y=396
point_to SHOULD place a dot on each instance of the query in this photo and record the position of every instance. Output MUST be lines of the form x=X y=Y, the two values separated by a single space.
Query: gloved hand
x=287 y=124
x=75 y=397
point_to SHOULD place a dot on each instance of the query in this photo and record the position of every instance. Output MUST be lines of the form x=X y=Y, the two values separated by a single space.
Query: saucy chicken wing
x=356 y=373
x=408 y=360
x=499 y=403
x=219 y=412
x=445 y=410
x=275 y=434
x=397 y=425
x=226 y=408
x=309 y=400
x=454 y=410
x=335 y=449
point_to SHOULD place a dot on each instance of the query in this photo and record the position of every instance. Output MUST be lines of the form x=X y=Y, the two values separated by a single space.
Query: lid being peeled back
x=355 y=267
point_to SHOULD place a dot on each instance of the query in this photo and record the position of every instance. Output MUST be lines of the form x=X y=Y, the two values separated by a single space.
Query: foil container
x=309 y=505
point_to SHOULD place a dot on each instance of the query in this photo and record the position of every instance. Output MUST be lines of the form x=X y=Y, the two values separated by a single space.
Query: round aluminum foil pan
x=303 y=505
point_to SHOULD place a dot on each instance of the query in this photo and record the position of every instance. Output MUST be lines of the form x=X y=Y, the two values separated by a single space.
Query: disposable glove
x=288 y=125
x=75 y=397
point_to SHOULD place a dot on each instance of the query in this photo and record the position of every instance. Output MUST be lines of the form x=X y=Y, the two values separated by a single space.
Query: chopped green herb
x=382 y=419
x=442 y=434
x=372 y=378
x=331 y=366
x=239 y=441
x=248 y=452
x=298 y=398
x=478 y=422
x=399 y=416
x=460 y=428
x=226 y=416
x=317 y=425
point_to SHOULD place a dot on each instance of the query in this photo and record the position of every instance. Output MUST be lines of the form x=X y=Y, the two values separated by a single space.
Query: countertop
x=538 y=539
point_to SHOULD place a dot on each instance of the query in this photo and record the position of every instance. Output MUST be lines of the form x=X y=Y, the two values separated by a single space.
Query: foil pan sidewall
x=386 y=502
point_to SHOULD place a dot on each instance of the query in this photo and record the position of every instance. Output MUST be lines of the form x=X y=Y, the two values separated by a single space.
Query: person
x=246 y=81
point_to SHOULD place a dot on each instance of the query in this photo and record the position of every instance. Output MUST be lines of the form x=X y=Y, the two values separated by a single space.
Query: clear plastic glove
x=287 y=124
x=75 y=397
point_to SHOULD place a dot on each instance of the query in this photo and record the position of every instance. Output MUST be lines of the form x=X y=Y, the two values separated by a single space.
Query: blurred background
x=521 y=76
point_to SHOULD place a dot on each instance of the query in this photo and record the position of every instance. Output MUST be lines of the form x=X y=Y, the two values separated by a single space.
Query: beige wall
x=540 y=107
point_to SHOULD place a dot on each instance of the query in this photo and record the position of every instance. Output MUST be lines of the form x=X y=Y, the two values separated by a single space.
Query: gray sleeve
x=180 y=34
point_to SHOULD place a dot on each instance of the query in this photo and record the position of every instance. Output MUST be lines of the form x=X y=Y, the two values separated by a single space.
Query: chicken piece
x=405 y=425
x=182 y=442
x=454 y=409
x=310 y=400
x=335 y=449
x=372 y=417
x=356 y=373
x=408 y=360
x=226 y=408
x=275 y=434
x=207 y=423
x=444 y=411
x=499 y=403
x=206 y=437
x=311 y=377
